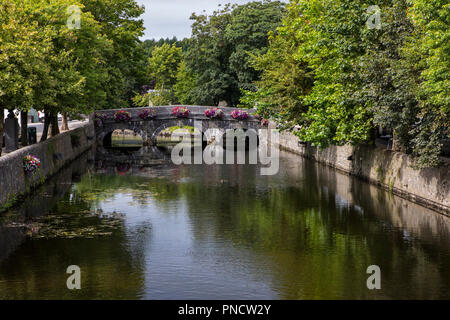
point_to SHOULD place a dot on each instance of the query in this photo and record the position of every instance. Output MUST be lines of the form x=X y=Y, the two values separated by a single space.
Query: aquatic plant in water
x=85 y=225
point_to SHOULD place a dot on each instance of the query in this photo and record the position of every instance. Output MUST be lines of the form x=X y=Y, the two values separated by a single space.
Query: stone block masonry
x=390 y=170
x=53 y=153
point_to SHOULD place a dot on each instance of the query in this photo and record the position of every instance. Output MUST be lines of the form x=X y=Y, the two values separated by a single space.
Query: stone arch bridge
x=149 y=129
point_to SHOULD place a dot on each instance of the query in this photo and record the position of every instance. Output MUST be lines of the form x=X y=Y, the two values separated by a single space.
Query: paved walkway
x=40 y=127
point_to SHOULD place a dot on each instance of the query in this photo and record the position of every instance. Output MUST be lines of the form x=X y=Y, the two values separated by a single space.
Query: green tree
x=163 y=65
x=248 y=33
x=332 y=48
x=185 y=85
x=285 y=76
x=221 y=45
x=338 y=79
x=88 y=48
x=120 y=23
x=48 y=65
x=388 y=89
x=428 y=53
x=75 y=75
x=24 y=46
x=162 y=68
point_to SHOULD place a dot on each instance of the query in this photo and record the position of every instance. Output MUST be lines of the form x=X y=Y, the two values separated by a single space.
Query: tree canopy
x=222 y=44
x=337 y=78
x=337 y=70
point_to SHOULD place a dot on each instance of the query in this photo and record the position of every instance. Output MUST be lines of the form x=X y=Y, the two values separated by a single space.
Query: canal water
x=219 y=232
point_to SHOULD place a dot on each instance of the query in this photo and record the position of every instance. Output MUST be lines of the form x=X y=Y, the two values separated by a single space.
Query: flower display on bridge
x=31 y=163
x=214 y=113
x=99 y=117
x=147 y=114
x=239 y=115
x=122 y=115
x=180 y=112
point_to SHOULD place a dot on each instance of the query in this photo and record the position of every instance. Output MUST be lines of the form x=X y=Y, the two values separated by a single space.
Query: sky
x=168 y=18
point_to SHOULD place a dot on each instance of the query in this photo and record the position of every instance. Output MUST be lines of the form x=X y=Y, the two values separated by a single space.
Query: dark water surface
x=220 y=232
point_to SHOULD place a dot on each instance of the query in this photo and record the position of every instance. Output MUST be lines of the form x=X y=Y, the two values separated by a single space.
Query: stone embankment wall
x=388 y=169
x=54 y=154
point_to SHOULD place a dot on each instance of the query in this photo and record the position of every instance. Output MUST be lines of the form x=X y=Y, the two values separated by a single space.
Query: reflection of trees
x=315 y=229
x=111 y=266
x=37 y=204
x=319 y=238
x=108 y=270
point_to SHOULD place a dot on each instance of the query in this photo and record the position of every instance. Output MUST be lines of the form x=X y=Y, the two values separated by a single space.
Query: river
x=219 y=232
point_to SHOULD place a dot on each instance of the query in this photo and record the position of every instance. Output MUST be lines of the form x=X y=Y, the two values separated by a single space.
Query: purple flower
x=147 y=114
x=214 y=113
x=239 y=115
x=122 y=115
x=100 y=116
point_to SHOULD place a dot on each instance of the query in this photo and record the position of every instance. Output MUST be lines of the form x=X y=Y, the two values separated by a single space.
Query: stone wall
x=388 y=169
x=53 y=154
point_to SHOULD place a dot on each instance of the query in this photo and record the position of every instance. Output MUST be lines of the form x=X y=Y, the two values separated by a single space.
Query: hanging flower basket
x=239 y=115
x=31 y=163
x=122 y=115
x=99 y=117
x=147 y=114
x=180 y=112
x=214 y=113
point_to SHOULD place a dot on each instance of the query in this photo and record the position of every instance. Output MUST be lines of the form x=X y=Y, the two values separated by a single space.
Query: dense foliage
x=222 y=45
x=334 y=76
x=336 y=70
x=53 y=67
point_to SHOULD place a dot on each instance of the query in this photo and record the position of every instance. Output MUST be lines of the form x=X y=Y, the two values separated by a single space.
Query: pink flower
x=180 y=112
x=239 y=115
x=214 y=113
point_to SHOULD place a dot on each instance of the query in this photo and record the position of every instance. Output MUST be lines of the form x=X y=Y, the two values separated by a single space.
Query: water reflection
x=225 y=232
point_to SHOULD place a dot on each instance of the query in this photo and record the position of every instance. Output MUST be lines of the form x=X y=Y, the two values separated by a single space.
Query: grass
x=126 y=141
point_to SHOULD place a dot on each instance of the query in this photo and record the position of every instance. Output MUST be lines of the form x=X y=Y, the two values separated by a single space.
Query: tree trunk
x=24 y=128
x=2 y=118
x=65 y=123
x=396 y=144
x=46 y=126
x=54 y=124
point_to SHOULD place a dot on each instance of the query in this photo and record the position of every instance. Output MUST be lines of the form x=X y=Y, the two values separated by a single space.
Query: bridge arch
x=104 y=139
x=149 y=129
x=180 y=122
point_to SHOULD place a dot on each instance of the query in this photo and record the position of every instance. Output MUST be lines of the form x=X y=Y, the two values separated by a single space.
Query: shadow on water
x=54 y=228
x=220 y=232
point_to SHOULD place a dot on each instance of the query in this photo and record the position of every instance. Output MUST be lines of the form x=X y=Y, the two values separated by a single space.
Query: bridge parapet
x=165 y=113
x=150 y=128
